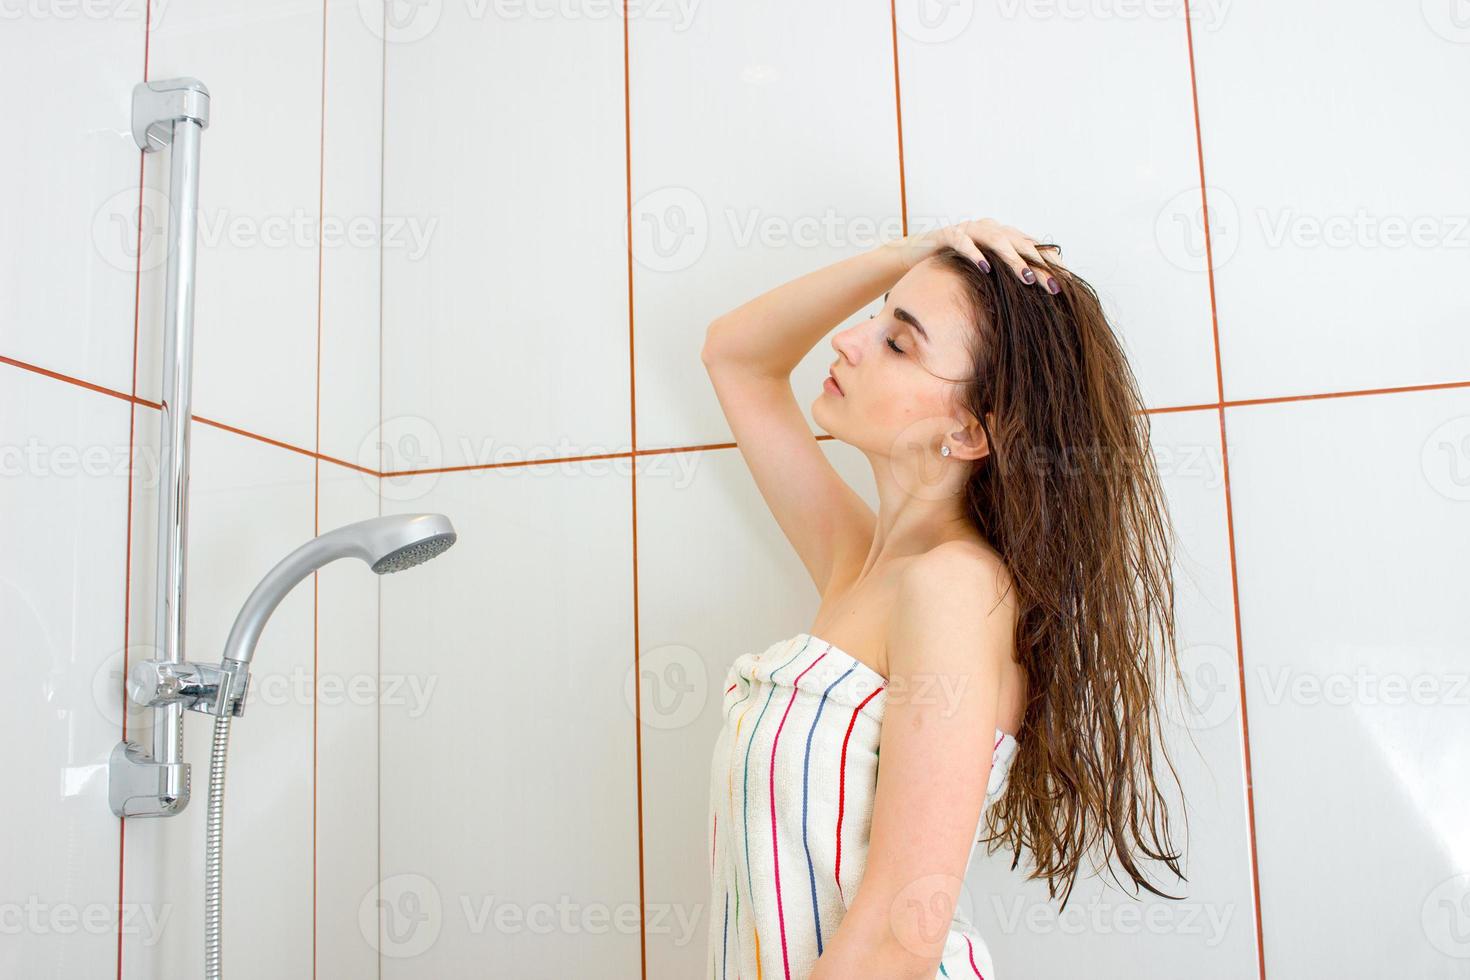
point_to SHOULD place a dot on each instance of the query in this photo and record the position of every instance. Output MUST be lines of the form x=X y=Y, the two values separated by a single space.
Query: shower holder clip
x=153 y=683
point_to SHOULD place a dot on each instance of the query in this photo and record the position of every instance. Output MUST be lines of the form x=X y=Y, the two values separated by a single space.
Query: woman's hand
x=1018 y=250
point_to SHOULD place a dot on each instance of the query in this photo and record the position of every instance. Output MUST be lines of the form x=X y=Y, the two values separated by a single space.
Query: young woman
x=990 y=628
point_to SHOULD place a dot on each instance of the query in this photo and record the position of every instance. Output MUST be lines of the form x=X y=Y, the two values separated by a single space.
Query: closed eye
x=892 y=346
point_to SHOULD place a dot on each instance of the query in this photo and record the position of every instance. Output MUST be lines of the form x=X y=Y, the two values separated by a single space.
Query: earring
x=944 y=450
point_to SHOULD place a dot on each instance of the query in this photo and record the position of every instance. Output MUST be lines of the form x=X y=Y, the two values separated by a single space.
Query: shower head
x=387 y=544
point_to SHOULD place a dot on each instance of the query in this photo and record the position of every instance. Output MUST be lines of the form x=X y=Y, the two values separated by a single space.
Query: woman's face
x=891 y=402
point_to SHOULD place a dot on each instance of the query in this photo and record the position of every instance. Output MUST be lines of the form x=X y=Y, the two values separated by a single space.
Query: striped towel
x=792 y=780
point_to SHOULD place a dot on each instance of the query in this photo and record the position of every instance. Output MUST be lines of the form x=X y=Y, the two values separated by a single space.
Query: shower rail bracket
x=158 y=105
x=139 y=787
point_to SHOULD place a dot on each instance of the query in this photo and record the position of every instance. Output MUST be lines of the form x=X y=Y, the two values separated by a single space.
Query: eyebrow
x=899 y=313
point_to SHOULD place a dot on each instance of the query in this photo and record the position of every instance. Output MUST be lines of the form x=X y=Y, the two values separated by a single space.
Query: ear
x=971 y=440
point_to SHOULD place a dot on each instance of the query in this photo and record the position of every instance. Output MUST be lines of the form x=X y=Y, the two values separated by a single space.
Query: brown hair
x=1070 y=497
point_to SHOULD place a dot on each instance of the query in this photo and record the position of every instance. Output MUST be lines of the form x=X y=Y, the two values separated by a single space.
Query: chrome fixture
x=173 y=114
x=386 y=544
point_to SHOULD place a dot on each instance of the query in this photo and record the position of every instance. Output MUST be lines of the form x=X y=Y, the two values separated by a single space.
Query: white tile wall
x=71 y=198
x=352 y=232
x=1340 y=209
x=255 y=308
x=63 y=497
x=250 y=504
x=505 y=291
x=509 y=810
x=347 y=780
x=1351 y=526
x=764 y=146
x=470 y=160
x=1078 y=130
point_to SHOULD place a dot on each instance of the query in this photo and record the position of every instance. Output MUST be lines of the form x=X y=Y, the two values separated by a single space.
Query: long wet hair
x=1070 y=497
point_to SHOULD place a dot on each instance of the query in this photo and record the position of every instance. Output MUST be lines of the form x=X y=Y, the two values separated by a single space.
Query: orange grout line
x=132 y=398
x=1250 y=798
x=633 y=490
x=316 y=493
x=467 y=467
x=903 y=198
x=25 y=366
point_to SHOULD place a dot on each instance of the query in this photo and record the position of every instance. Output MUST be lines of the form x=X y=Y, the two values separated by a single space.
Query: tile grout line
x=1245 y=743
x=122 y=824
x=633 y=492
x=378 y=490
x=550 y=460
x=316 y=494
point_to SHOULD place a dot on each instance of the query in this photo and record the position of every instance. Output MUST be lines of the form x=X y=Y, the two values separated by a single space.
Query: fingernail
x=1027 y=276
x=984 y=266
x=1052 y=285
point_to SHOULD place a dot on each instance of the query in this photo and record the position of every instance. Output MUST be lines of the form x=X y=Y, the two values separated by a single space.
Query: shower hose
x=214 y=844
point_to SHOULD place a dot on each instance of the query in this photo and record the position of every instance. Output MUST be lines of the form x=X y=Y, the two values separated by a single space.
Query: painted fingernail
x=1027 y=276
x=984 y=266
x=1052 y=285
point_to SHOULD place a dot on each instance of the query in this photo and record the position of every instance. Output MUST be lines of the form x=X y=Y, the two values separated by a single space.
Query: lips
x=834 y=381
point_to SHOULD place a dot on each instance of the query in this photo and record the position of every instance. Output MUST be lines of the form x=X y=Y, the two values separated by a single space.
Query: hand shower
x=387 y=544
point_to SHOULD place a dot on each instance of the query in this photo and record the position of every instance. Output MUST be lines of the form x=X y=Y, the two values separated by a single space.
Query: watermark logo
x=1179 y=230
x=1450 y=19
x=1209 y=693
x=115 y=229
x=934 y=21
x=1445 y=458
x=673 y=686
x=1446 y=916
x=402 y=917
x=401 y=448
x=670 y=229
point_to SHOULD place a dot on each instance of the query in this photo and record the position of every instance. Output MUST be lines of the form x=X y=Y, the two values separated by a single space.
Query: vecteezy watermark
x=933 y=21
x=940 y=21
x=301 y=686
x=135 y=11
x=116 y=230
x=672 y=686
x=1445 y=458
x=1363 y=687
x=34 y=916
x=402 y=917
x=408 y=451
x=1450 y=19
x=923 y=911
x=65 y=461
x=1207 y=15
x=405 y=915
x=1209 y=695
x=672 y=228
x=1208 y=920
x=109 y=685
x=407 y=21
x=1445 y=916
x=1179 y=229
x=1362 y=229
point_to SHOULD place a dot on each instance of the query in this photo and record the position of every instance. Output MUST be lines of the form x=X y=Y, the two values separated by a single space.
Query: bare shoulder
x=952 y=601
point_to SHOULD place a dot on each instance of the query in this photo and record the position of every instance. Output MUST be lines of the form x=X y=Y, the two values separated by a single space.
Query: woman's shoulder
x=963 y=568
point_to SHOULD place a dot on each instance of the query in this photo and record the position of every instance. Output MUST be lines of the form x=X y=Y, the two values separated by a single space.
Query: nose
x=846 y=343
